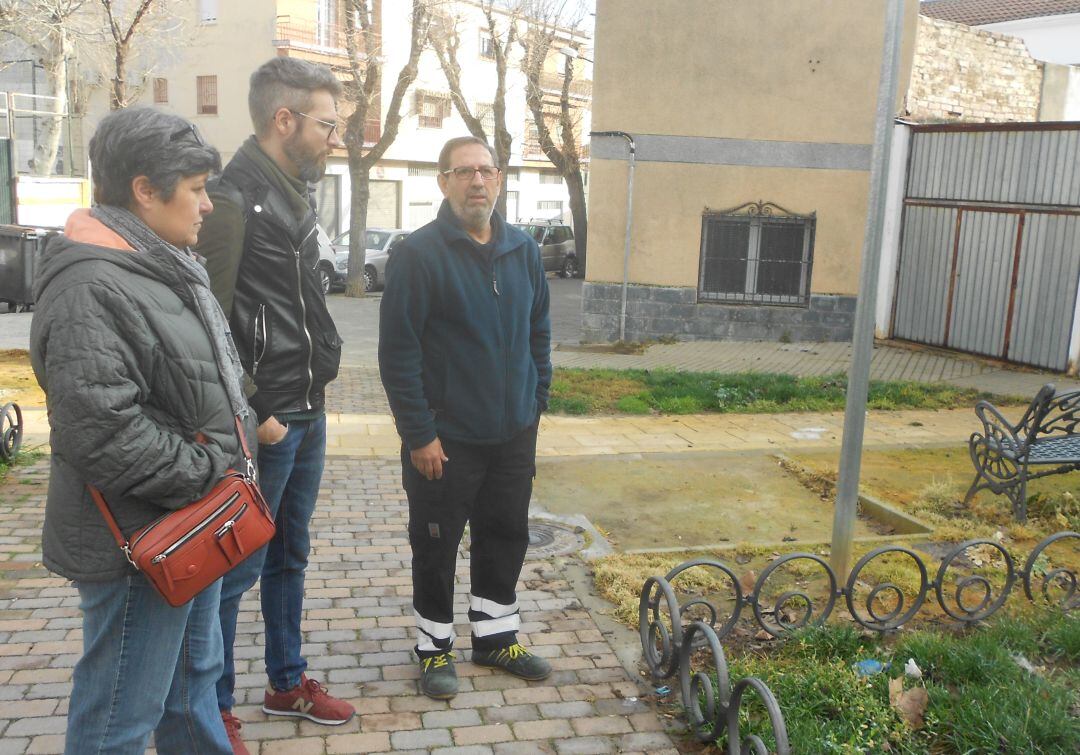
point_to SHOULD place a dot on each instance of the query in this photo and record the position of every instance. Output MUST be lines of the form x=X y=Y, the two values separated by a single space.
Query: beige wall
x=231 y=49
x=767 y=69
x=771 y=70
x=668 y=202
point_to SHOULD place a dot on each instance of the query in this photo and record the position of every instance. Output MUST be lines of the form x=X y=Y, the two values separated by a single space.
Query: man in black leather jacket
x=261 y=249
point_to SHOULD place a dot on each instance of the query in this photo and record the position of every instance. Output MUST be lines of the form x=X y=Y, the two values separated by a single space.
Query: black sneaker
x=438 y=679
x=514 y=659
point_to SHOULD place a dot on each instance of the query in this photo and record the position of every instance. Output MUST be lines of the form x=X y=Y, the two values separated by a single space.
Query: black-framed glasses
x=487 y=172
x=188 y=129
x=328 y=124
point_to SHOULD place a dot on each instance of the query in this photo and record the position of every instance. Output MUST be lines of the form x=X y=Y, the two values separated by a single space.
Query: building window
x=161 y=91
x=485 y=113
x=756 y=253
x=487 y=46
x=421 y=170
x=550 y=177
x=206 y=95
x=549 y=208
x=432 y=108
x=208 y=11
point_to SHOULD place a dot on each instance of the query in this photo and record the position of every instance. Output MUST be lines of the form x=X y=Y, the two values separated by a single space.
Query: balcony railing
x=305 y=34
x=553 y=83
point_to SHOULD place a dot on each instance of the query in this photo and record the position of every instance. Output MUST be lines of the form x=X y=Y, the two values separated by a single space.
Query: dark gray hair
x=461 y=141
x=142 y=141
x=289 y=83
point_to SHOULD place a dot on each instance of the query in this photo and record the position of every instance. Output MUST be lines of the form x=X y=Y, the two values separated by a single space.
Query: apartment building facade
x=208 y=82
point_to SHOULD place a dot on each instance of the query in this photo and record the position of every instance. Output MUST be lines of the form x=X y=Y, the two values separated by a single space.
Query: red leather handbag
x=186 y=550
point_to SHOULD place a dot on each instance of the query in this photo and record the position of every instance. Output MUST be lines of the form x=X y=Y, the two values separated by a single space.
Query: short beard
x=474 y=219
x=309 y=167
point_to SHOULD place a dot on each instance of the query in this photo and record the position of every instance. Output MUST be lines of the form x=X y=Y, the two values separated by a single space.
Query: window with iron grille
x=550 y=177
x=206 y=95
x=432 y=108
x=161 y=91
x=757 y=253
x=487 y=46
x=485 y=113
x=422 y=170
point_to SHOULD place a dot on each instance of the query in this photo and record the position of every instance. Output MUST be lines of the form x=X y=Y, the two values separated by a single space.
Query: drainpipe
x=629 y=224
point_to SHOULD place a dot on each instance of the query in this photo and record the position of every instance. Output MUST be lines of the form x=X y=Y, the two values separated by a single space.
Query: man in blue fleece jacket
x=465 y=357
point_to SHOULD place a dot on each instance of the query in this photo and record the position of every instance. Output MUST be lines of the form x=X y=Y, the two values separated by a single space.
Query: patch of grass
x=980 y=699
x=26 y=457
x=669 y=392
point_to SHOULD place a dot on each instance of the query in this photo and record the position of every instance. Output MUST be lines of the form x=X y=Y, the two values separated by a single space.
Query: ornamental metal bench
x=1047 y=438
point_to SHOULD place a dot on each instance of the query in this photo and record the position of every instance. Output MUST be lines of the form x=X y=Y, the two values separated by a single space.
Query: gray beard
x=475 y=219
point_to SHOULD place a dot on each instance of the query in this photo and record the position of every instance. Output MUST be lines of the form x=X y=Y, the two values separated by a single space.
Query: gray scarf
x=134 y=231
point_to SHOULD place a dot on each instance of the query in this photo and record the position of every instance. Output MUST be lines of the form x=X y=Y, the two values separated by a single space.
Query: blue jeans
x=289 y=475
x=146 y=668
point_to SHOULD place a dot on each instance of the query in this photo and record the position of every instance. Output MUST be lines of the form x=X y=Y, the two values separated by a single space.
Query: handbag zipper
x=220 y=532
x=196 y=530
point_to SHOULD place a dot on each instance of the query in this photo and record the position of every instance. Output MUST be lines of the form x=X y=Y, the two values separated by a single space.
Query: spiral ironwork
x=714 y=713
x=11 y=431
x=670 y=642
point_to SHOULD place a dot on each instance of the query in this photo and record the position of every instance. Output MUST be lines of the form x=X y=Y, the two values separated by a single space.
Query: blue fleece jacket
x=464 y=334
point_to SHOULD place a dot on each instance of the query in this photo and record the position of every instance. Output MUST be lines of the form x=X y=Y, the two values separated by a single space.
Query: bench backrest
x=1059 y=417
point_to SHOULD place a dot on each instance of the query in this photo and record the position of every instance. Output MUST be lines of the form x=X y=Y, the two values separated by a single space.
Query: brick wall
x=965 y=74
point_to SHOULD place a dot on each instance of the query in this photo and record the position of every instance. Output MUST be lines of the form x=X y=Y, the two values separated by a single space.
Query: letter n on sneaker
x=309 y=700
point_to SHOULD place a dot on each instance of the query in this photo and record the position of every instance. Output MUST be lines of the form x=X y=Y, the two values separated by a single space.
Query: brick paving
x=357 y=637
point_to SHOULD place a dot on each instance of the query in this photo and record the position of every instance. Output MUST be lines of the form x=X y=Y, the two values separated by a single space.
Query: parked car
x=379 y=243
x=556 y=241
x=325 y=266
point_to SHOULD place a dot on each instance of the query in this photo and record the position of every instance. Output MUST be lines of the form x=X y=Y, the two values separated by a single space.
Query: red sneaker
x=232 y=728
x=309 y=700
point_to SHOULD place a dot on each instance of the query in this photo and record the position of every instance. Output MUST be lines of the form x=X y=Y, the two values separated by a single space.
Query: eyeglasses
x=328 y=124
x=188 y=129
x=487 y=172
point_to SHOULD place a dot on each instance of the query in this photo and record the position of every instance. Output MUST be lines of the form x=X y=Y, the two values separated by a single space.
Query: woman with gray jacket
x=142 y=384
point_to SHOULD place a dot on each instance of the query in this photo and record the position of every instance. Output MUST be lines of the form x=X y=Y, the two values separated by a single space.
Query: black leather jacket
x=263 y=273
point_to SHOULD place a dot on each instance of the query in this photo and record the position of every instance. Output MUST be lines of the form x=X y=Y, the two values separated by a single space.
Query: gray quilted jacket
x=130 y=382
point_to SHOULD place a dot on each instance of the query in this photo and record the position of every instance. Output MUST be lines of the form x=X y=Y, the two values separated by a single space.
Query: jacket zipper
x=303 y=313
x=502 y=344
x=260 y=325
x=196 y=530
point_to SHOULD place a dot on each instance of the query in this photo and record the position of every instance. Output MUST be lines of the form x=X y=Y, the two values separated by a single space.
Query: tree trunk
x=48 y=144
x=119 y=83
x=359 y=178
x=576 y=186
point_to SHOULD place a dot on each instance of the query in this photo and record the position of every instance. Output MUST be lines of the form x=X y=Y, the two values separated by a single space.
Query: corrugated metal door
x=990 y=246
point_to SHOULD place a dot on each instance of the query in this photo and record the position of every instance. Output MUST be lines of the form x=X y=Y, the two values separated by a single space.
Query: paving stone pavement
x=357 y=638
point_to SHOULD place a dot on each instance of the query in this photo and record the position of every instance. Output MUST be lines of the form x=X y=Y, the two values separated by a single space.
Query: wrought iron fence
x=700 y=623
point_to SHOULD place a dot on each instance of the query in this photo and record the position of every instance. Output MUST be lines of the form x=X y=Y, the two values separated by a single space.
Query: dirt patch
x=663 y=501
x=17 y=382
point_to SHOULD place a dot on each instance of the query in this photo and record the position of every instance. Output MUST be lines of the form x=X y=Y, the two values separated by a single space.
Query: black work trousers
x=488 y=487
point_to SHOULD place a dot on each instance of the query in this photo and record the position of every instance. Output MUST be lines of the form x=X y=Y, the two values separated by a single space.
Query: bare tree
x=122 y=29
x=362 y=92
x=49 y=30
x=557 y=125
x=502 y=26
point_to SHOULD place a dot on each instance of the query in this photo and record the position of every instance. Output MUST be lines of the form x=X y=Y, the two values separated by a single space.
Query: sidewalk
x=367 y=436
x=358 y=633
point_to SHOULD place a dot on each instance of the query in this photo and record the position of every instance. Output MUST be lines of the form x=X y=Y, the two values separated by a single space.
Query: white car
x=325 y=266
x=379 y=245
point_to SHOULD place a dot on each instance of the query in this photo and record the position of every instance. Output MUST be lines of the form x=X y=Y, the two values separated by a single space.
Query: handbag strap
x=99 y=499
x=110 y=520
